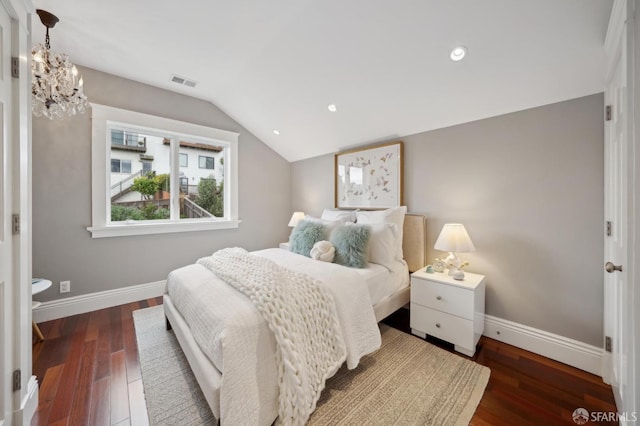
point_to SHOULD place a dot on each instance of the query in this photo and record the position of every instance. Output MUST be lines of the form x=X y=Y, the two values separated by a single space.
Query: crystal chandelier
x=56 y=87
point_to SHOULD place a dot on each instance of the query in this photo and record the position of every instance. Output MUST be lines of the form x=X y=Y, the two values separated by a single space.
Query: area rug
x=407 y=382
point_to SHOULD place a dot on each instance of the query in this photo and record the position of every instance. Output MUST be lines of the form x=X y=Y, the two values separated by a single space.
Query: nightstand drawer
x=443 y=297
x=451 y=328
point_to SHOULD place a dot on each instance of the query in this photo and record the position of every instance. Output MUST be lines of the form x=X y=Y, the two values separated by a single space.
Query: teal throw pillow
x=304 y=236
x=351 y=244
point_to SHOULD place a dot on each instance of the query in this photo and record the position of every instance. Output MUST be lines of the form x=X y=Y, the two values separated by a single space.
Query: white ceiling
x=277 y=64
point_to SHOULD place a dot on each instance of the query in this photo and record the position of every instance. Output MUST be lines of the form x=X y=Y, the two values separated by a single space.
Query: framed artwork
x=369 y=178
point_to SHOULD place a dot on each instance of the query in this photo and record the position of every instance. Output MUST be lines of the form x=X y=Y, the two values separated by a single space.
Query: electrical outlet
x=65 y=286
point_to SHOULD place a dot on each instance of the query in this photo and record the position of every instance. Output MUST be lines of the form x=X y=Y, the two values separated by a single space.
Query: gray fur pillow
x=304 y=236
x=351 y=243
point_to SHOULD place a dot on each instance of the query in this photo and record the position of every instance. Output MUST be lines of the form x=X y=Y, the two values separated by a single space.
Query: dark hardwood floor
x=89 y=375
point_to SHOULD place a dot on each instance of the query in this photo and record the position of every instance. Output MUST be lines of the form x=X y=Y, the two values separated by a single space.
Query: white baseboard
x=572 y=352
x=75 y=305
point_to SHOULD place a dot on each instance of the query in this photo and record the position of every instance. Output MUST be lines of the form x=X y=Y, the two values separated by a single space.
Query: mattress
x=383 y=282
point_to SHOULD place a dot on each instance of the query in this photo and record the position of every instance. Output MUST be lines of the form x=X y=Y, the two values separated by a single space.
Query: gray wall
x=62 y=247
x=528 y=187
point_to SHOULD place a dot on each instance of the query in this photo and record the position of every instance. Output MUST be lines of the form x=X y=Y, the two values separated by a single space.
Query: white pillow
x=383 y=244
x=341 y=215
x=393 y=215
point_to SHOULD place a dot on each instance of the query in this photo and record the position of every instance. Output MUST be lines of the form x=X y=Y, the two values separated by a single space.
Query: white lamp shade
x=295 y=218
x=454 y=238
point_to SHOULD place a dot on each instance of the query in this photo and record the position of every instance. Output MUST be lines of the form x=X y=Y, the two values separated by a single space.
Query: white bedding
x=382 y=282
x=238 y=342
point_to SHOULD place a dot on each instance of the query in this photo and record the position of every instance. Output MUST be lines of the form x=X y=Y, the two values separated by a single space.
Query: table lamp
x=295 y=218
x=454 y=238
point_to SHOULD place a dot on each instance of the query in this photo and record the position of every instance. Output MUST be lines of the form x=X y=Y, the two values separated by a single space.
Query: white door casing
x=6 y=245
x=16 y=406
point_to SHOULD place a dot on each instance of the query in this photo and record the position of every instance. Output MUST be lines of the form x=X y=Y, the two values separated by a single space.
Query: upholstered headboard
x=414 y=241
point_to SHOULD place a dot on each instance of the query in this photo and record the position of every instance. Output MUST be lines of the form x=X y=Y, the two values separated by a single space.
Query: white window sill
x=141 y=228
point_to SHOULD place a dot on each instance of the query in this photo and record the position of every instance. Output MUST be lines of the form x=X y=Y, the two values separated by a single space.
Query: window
x=120 y=166
x=160 y=192
x=127 y=140
x=205 y=162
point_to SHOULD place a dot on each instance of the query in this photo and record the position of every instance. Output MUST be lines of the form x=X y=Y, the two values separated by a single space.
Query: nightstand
x=448 y=309
x=284 y=246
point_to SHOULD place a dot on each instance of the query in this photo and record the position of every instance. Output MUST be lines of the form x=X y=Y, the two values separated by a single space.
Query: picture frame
x=369 y=178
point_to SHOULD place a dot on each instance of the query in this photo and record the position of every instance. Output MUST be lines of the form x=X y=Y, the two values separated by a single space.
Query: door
x=6 y=237
x=618 y=315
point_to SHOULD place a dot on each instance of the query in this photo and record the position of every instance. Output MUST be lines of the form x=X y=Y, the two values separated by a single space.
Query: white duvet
x=232 y=333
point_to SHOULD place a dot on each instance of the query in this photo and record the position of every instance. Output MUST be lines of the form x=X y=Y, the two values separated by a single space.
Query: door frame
x=19 y=349
x=634 y=203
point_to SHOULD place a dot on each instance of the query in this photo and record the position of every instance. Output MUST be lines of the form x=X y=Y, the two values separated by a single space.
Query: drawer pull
x=438 y=297
x=438 y=324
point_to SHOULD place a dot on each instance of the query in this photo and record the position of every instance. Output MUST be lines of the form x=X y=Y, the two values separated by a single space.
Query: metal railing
x=123 y=185
x=194 y=211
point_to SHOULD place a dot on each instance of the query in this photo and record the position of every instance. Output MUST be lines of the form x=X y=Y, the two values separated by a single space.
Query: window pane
x=115 y=166
x=203 y=184
x=141 y=190
x=117 y=137
x=206 y=162
x=184 y=160
x=131 y=139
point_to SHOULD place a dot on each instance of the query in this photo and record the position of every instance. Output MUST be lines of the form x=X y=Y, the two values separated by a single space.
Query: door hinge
x=15 y=67
x=17 y=380
x=15 y=224
x=607 y=113
x=608 y=228
x=607 y=343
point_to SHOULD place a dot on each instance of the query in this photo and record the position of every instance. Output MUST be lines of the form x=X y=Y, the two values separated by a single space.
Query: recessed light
x=332 y=108
x=276 y=132
x=458 y=53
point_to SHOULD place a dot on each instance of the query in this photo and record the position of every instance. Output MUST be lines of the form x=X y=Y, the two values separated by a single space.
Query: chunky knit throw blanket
x=301 y=313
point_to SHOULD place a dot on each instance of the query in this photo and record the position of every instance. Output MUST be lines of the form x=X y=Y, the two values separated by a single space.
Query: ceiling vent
x=183 y=80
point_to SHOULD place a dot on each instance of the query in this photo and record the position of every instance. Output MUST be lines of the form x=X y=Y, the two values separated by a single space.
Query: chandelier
x=56 y=87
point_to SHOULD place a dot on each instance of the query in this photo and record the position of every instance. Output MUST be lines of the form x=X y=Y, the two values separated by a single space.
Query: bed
x=251 y=397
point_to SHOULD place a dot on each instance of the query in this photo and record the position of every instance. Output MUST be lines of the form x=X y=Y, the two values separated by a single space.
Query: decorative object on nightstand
x=454 y=238
x=438 y=265
x=448 y=309
x=295 y=218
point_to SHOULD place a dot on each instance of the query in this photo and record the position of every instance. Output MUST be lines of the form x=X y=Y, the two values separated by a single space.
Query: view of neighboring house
x=137 y=156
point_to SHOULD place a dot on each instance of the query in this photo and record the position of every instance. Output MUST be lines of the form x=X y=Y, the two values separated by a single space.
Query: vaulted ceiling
x=278 y=64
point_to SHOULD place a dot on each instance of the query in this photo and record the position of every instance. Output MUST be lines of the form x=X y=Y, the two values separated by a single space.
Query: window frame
x=185 y=156
x=120 y=163
x=207 y=157
x=145 y=163
x=103 y=118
